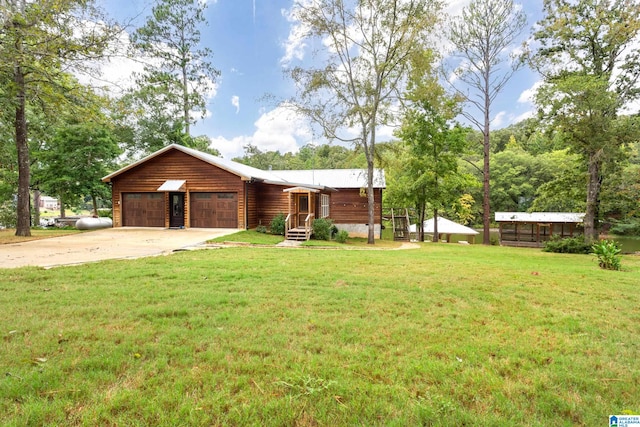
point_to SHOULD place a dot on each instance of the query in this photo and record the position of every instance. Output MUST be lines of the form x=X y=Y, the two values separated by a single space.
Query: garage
x=143 y=209
x=214 y=210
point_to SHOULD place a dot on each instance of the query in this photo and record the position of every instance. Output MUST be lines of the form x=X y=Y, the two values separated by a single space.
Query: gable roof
x=319 y=179
x=539 y=217
x=445 y=226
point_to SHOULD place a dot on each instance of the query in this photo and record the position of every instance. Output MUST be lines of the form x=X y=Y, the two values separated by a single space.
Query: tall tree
x=365 y=46
x=40 y=39
x=178 y=75
x=74 y=160
x=481 y=37
x=431 y=161
x=590 y=62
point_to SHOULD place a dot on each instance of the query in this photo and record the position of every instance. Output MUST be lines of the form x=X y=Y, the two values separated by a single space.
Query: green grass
x=8 y=235
x=251 y=237
x=266 y=336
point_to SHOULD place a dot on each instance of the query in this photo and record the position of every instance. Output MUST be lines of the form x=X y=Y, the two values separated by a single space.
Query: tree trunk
x=23 y=227
x=63 y=214
x=422 y=210
x=36 y=207
x=185 y=100
x=370 y=204
x=94 y=202
x=436 y=238
x=486 y=190
x=591 y=229
x=370 y=154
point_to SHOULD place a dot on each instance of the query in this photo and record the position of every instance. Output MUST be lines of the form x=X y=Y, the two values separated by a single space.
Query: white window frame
x=325 y=201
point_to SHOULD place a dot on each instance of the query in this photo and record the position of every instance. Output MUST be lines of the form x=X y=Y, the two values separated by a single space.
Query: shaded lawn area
x=266 y=336
x=9 y=235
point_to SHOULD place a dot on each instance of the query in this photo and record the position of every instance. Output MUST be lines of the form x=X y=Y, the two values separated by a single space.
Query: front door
x=176 y=217
x=303 y=209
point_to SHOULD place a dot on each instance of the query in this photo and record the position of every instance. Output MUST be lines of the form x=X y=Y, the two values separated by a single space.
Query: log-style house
x=535 y=228
x=181 y=187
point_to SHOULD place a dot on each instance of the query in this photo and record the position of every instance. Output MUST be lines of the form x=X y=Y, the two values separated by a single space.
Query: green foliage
x=588 y=56
x=40 y=42
x=322 y=228
x=74 y=161
x=324 y=156
x=278 y=224
x=608 y=254
x=105 y=213
x=628 y=227
x=261 y=229
x=342 y=236
x=8 y=216
x=176 y=83
x=569 y=245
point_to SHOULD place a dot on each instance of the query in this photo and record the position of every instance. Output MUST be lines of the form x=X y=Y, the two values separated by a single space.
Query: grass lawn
x=267 y=336
x=8 y=235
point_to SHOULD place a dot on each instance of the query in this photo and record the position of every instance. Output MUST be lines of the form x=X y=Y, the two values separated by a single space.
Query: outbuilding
x=533 y=229
x=181 y=187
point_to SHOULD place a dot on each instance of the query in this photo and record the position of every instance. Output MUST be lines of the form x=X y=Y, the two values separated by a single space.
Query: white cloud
x=526 y=115
x=499 y=119
x=280 y=129
x=235 y=101
x=295 y=45
x=528 y=95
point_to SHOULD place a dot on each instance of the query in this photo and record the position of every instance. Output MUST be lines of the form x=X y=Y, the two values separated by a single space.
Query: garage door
x=143 y=209
x=214 y=210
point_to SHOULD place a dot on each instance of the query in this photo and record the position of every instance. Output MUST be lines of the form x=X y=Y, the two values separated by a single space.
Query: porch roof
x=573 y=217
x=173 y=185
x=300 y=190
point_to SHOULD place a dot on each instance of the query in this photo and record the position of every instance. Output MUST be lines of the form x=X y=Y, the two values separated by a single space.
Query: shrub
x=8 y=215
x=105 y=212
x=608 y=253
x=322 y=228
x=628 y=227
x=277 y=225
x=570 y=245
x=342 y=236
x=261 y=229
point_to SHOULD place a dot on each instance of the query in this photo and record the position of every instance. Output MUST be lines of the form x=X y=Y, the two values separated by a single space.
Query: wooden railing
x=308 y=223
x=287 y=224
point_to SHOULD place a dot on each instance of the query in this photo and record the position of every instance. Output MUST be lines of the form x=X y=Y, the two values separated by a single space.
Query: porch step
x=298 y=234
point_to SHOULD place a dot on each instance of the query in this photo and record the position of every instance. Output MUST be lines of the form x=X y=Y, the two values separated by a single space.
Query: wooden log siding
x=271 y=200
x=174 y=164
x=349 y=207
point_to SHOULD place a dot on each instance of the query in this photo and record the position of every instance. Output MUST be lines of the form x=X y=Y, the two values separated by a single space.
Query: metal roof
x=539 y=217
x=172 y=185
x=334 y=178
x=445 y=226
x=318 y=178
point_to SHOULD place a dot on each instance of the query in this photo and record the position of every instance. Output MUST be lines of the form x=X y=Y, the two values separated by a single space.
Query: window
x=324 y=205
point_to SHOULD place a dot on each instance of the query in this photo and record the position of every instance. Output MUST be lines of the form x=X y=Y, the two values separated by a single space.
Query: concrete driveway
x=109 y=243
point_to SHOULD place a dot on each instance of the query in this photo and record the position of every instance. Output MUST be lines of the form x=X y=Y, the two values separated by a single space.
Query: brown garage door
x=214 y=210
x=143 y=209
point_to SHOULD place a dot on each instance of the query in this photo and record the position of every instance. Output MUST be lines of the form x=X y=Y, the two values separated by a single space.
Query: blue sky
x=250 y=40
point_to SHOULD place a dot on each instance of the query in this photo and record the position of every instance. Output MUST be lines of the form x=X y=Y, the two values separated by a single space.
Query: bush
x=342 y=236
x=261 y=229
x=8 y=215
x=628 y=227
x=322 y=228
x=105 y=213
x=277 y=225
x=571 y=245
x=608 y=253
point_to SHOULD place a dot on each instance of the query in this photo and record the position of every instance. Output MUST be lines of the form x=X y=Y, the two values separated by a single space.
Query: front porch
x=302 y=212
